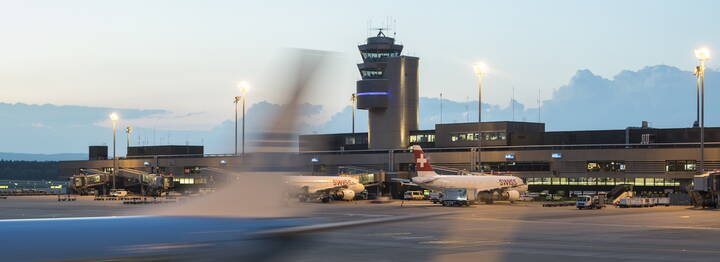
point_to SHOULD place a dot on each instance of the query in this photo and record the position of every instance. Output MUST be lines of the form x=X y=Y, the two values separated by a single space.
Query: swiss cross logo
x=421 y=160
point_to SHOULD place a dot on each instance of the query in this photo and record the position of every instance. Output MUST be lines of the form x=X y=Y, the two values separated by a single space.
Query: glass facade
x=487 y=136
x=189 y=180
x=371 y=73
x=606 y=166
x=422 y=138
x=601 y=181
x=516 y=166
x=680 y=165
x=376 y=55
x=356 y=140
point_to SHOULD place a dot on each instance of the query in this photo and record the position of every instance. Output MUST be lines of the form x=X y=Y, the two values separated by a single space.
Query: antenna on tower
x=513 y=102
x=539 y=105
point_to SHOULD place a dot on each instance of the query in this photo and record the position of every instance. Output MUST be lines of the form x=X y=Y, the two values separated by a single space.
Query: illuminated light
x=509 y=156
x=56 y=186
x=373 y=93
x=244 y=86
x=4 y=186
x=557 y=155
x=146 y=163
x=480 y=68
x=114 y=117
x=223 y=162
x=314 y=160
x=702 y=54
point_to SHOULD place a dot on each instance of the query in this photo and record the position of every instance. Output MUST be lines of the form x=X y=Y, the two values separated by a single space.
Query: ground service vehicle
x=413 y=195
x=456 y=197
x=119 y=193
x=643 y=202
x=435 y=197
x=590 y=202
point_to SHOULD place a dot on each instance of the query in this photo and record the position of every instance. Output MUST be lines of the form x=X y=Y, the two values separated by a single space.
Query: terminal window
x=356 y=140
x=680 y=165
x=605 y=166
x=372 y=55
x=516 y=166
x=371 y=73
x=422 y=138
x=601 y=181
x=191 y=170
x=486 y=136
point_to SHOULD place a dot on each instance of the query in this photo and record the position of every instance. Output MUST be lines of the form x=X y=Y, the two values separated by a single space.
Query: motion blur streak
x=257 y=185
x=221 y=226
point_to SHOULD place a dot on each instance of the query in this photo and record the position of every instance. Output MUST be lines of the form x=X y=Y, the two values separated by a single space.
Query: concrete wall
x=389 y=127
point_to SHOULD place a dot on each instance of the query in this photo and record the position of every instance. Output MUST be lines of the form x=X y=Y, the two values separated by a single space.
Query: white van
x=413 y=195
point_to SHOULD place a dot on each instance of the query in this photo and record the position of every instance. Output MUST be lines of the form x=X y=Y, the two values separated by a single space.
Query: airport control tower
x=389 y=91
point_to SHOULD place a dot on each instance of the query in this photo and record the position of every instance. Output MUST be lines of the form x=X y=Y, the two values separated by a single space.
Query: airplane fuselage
x=320 y=183
x=479 y=183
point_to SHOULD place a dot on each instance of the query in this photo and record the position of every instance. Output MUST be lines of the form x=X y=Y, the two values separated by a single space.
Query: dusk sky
x=184 y=57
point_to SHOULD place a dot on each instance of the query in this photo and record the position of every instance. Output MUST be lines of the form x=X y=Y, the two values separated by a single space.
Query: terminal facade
x=651 y=159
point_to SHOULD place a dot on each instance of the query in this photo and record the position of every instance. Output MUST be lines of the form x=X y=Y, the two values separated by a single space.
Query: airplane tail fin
x=422 y=164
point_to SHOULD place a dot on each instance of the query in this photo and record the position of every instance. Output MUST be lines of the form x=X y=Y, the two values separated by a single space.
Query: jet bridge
x=93 y=181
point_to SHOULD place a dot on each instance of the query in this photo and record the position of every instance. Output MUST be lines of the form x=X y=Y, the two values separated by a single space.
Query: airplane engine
x=345 y=194
x=356 y=187
x=512 y=195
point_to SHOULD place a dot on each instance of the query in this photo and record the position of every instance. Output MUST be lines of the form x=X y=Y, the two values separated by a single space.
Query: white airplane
x=324 y=188
x=488 y=188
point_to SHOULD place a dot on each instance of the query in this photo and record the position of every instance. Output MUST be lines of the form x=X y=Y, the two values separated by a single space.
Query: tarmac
x=499 y=232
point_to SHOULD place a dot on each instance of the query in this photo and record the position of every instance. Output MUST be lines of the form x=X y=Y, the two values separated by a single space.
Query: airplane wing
x=289 y=231
x=404 y=181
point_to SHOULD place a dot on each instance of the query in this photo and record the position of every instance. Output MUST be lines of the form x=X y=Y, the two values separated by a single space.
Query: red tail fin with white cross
x=422 y=163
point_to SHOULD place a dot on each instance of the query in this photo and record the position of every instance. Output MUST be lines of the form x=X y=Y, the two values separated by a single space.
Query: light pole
x=702 y=54
x=244 y=87
x=353 y=99
x=236 y=101
x=128 y=132
x=441 y=111
x=480 y=71
x=114 y=118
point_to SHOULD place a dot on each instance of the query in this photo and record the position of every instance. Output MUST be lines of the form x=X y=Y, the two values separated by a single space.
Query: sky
x=184 y=58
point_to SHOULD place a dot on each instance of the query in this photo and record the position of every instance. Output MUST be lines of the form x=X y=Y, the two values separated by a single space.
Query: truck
x=435 y=197
x=455 y=197
x=590 y=202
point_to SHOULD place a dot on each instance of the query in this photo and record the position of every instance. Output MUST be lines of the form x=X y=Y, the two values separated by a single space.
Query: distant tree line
x=29 y=170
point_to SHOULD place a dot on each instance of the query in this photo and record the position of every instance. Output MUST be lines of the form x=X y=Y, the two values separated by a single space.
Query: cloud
x=662 y=95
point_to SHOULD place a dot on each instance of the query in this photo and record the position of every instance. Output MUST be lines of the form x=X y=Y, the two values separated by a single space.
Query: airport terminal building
x=651 y=159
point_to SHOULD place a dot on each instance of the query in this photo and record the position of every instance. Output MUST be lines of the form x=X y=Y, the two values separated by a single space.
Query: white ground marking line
x=590 y=224
x=353 y=215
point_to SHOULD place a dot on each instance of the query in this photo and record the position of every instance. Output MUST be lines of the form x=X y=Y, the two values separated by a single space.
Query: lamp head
x=480 y=69
x=702 y=54
x=244 y=86
x=114 y=116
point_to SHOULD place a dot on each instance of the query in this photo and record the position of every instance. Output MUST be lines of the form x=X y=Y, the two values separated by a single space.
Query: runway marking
x=440 y=242
x=352 y=214
x=392 y=234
